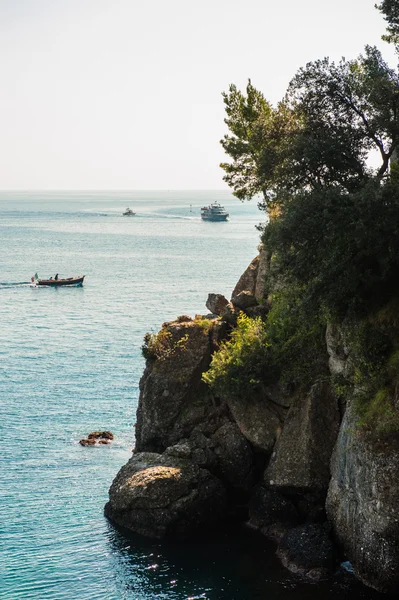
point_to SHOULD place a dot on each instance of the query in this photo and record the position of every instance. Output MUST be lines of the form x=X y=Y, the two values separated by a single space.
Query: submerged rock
x=87 y=442
x=161 y=496
x=308 y=551
x=106 y=435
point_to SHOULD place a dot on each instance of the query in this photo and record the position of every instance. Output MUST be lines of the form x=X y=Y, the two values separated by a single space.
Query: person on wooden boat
x=56 y=277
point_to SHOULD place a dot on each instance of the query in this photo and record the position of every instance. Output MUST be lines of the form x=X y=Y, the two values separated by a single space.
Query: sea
x=70 y=363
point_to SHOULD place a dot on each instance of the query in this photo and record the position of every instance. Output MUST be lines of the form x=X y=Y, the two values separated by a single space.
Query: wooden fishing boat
x=76 y=281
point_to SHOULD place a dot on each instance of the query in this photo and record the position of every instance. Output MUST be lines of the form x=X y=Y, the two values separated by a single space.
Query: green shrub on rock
x=161 y=345
x=372 y=381
x=287 y=346
x=238 y=366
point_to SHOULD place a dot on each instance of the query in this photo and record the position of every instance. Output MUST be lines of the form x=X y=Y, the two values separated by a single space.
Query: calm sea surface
x=70 y=363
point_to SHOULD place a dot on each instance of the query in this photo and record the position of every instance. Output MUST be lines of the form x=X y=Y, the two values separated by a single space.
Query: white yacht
x=214 y=212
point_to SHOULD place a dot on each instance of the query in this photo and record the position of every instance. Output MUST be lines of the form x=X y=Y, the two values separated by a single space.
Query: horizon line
x=115 y=190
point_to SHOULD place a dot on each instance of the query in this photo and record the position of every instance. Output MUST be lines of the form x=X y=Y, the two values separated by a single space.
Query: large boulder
x=216 y=303
x=255 y=276
x=363 y=503
x=173 y=398
x=247 y=281
x=164 y=496
x=301 y=459
x=244 y=300
x=225 y=453
x=231 y=314
x=259 y=421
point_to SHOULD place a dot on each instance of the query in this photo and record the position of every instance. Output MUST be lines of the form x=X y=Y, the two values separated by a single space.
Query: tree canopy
x=259 y=136
x=320 y=134
x=310 y=156
x=390 y=10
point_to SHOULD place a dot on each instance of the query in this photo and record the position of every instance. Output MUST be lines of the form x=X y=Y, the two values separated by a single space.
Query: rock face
x=225 y=453
x=173 y=399
x=263 y=273
x=247 y=281
x=231 y=314
x=301 y=459
x=271 y=512
x=234 y=454
x=337 y=351
x=363 y=503
x=161 y=496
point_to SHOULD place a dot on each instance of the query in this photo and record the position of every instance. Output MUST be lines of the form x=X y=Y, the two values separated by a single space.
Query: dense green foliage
x=390 y=10
x=343 y=249
x=258 y=142
x=286 y=347
x=333 y=226
x=373 y=377
x=242 y=360
x=297 y=342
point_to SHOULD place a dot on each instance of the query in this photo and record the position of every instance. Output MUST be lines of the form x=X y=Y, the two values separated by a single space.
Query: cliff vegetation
x=332 y=228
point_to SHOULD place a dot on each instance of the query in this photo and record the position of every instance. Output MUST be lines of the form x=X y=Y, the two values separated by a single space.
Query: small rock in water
x=97 y=438
x=101 y=434
x=87 y=442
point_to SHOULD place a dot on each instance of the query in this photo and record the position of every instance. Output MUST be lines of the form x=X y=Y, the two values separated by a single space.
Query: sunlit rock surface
x=164 y=496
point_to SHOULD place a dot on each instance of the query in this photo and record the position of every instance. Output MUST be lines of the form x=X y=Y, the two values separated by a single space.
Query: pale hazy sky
x=126 y=94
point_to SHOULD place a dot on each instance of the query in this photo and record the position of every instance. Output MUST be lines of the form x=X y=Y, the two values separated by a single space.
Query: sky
x=126 y=94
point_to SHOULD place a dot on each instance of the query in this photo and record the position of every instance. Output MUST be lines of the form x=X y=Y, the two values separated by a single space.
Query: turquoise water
x=70 y=363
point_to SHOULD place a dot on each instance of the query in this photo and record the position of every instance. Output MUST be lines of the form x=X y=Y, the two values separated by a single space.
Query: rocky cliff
x=293 y=466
